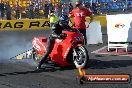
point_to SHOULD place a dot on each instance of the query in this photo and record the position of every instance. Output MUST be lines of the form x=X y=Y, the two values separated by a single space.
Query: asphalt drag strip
x=23 y=73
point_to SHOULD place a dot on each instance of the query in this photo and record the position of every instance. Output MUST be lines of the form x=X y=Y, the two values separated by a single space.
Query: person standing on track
x=53 y=18
x=79 y=14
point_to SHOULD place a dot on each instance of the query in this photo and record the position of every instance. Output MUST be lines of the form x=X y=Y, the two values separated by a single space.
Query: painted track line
x=111 y=54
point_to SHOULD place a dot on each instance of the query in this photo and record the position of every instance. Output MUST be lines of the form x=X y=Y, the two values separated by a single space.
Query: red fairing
x=39 y=43
x=61 y=46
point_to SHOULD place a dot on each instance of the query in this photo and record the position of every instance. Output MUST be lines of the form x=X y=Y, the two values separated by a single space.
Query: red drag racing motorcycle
x=66 y=52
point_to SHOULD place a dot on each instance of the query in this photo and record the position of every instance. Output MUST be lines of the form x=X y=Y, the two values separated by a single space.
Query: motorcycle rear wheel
x=35 y=56
x=81 y=59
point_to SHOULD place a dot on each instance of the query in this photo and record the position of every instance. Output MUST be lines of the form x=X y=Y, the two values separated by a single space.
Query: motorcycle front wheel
x=80 y=57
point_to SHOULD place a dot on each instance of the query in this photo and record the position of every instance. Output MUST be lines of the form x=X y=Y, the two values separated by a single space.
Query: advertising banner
x=119 y=28
x=23 y=24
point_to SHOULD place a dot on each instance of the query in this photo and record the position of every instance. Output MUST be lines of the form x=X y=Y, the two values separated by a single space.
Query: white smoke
x=13 y=43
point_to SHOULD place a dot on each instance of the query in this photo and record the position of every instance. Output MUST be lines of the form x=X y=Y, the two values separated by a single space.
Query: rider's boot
x=39 y=66
x=42 y=60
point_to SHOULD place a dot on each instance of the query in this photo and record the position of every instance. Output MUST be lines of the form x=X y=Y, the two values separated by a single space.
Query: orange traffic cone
x=81 y=72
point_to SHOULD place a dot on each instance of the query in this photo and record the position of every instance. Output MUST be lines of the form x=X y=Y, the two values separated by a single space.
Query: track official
x=79 y=14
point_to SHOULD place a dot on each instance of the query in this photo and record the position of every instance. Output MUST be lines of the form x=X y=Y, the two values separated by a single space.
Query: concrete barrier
x=102 y=20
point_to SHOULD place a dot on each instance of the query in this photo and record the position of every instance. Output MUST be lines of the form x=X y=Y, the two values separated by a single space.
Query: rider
x=56 y=33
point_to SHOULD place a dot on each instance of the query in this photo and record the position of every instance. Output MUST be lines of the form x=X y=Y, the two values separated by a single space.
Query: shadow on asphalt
x=98 y=64
x=29 y=72
x=47 y=69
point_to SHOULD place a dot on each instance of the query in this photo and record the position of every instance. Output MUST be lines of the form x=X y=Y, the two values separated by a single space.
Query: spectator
x=31 y=11
x=70 y=7
x=63 y=12
x=79 y=14
x=46 y=9
x=106 y=7
x=65 y=8
x=36 y=9
x=2 y=9
x=98 y=8
x=50 y=5
x=59 y=9
x=8 y=11
x=17 y=9
x=124 y=7
x=94 y=8
x=56 y=9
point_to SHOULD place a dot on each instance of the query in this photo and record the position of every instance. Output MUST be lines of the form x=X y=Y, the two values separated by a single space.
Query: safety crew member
x=79 y=14
x=53 y=18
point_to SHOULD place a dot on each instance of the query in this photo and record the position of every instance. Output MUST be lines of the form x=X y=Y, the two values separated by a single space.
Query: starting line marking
x=112 y=54
x=96 y=51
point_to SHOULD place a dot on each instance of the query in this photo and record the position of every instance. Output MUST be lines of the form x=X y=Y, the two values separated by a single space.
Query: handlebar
x=72 y=30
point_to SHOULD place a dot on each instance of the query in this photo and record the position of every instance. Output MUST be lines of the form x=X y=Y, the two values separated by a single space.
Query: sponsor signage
x=119 y=28
x=107 y=78
x=24 y=24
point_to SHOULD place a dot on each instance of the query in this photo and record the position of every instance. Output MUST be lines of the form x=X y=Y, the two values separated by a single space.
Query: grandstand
x=25 y=3
x=110 y=5
x=103 y=7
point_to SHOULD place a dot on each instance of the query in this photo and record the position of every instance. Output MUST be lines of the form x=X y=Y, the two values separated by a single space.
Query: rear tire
x=35 y=56
x=82 y=58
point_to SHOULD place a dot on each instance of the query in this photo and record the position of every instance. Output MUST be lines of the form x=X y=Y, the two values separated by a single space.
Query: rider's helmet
x=64 y=19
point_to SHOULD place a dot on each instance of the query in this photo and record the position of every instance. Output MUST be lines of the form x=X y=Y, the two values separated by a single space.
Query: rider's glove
x=63 y=35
